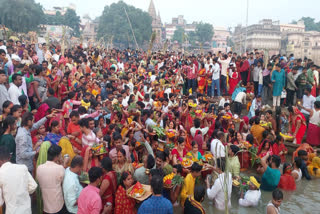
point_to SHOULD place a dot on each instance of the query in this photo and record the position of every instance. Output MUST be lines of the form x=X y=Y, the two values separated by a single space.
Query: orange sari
x=202 y=81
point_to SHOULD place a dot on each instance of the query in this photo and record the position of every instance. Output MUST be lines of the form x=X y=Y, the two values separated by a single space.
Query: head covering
x=43 y=153
x=198 y=139
x=265 y=72
x=62 y=61
x=254 y=181
x=244 y=122
x=15 y=58
x=66 y=147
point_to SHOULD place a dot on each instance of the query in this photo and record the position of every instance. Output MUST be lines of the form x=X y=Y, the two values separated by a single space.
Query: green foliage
x=159 y=130
x=114 y=23
x=177 y=180
x=204 y=32
x=230 y=42
x=20 y=15
x=254 y=158
x=70 y=19
x=310 y=24
x=179 y=35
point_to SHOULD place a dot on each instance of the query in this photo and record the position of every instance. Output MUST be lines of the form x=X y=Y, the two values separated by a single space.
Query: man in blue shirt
x=304 y=156
x=271 y=176
x=156 y=204
x=71 y=184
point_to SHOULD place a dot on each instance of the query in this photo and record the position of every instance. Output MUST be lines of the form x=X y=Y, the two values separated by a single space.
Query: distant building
x=303 y=44
x=220 y=39
x=263 y=36
x=288 y=28
x=176 y=23
x=55 y=32
x=62 y=10
x=89 y=28
x=156 y=22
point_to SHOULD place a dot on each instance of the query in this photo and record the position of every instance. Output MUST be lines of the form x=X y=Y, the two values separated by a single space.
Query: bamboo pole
x=131 y=28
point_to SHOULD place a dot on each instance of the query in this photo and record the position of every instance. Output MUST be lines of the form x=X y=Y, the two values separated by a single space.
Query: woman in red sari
x=124 y=204
x=297 y=124
x=54 y=80
x=313 y=134
x=264 y=148
x=202 y=79
x=234 y=78
x=287 y=181
x=109 y=184
x=89 y=160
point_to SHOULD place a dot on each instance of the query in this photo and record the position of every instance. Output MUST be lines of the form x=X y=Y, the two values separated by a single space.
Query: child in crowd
x=273 y=206
x=304 y=156
x=252 y=197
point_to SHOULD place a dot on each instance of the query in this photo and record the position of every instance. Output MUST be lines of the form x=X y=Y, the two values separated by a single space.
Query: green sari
x=42 y=158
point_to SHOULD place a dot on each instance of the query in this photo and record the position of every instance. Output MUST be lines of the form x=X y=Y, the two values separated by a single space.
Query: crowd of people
x=127 y=117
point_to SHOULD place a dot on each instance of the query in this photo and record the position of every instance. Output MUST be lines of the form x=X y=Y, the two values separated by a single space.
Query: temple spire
x=152 y=10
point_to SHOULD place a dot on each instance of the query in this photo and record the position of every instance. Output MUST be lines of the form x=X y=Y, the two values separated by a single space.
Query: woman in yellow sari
x=66 y=147
x=202 y=79
x=314 y=167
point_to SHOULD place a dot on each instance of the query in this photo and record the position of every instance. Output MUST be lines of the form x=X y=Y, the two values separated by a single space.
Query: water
x=305 y=199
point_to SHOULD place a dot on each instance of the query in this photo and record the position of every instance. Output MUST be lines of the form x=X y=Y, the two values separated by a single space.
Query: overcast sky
x=217 y=12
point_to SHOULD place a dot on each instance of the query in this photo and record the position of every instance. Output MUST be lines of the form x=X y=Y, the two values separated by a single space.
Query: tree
x=71 y=19
x=113 y=23
x=310 y=24
x=204 y=32
x=179 y=35
x=21 y=15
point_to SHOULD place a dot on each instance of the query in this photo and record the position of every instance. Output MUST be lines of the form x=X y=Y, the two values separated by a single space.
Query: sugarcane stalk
x=152 y=40
x=63 y=40
x=225 y=183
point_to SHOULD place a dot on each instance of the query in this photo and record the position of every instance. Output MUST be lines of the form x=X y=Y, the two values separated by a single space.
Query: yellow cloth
x=314 y=167
x=66 y=147
x=95 y=92
x=187 y=188
x=254 y=181
x=256 y=131
x=84 y=104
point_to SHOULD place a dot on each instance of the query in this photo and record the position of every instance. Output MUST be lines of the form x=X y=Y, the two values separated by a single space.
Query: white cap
x=15 y=58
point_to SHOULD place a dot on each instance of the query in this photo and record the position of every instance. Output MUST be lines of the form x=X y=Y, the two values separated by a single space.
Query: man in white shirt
x=216 y=192
x=125 y=97
x=14 y=91
x=238 y=101
x=120 y=65
x=307 y=103
x=147 y=101
x=16 y=184
x=153 y=76
x=224 y=61
x=217 y=148
x=50 y=177
x=196 y=127
x=207 y=65
x=149 y=122
x=4 y=96
x=215 y=78
x=257 y=79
